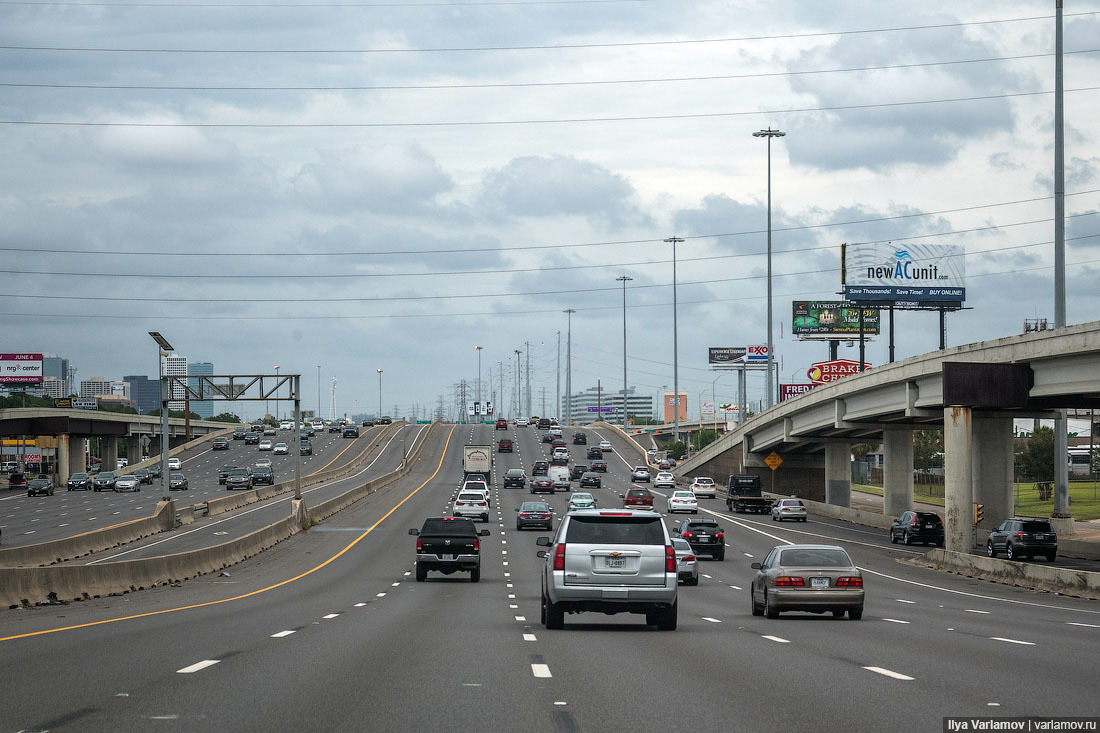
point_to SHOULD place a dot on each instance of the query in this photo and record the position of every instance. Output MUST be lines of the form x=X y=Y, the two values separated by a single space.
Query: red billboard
x=20 y=369
x=823 y=372
x=787 y=391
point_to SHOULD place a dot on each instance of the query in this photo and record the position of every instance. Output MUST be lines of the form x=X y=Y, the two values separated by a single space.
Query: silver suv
x=619 y=561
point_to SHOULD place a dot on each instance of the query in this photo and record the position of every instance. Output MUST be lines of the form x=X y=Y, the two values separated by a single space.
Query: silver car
x=128 y=483
x=815 y=578
x=610 y=561
x=792 y=509
x=687 y=564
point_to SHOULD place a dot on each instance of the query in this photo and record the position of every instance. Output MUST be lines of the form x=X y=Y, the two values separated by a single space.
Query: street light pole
x=557 y=388
x=477 y=391
x=675 y=345
x=379 y=394
x=569 y=366
x=278 y=417
x=318 y=390
x=624 y=280
x=163 y=349
x=769 y=134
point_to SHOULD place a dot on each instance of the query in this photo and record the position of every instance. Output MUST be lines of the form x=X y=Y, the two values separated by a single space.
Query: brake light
x=687 y=535
x=482 y=503
x=477 y=544
x=418 y=547
x=789 y=581
x=849 y=582
x=1019 y=535
x=719 y=535
x=559 y=557
x=614 y=514
x=459 y=503
x=670 y=559
x=689 y=558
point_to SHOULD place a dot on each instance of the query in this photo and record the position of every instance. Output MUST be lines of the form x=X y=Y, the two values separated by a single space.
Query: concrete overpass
x=73 y=428
x=972 y=392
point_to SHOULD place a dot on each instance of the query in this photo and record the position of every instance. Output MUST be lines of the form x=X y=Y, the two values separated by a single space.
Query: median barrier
x=630 y=439
x=155 y=460
x=1025 y=574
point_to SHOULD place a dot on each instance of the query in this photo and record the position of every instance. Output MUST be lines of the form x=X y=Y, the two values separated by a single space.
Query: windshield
x=824 y=557
x=616 y=530
x=79 y=476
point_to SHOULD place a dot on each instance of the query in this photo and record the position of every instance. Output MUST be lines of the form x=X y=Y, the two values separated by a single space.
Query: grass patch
x=1084 y=498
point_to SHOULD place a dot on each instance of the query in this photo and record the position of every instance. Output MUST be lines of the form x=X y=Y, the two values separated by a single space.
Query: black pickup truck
x=743 y=494
x=448 y=545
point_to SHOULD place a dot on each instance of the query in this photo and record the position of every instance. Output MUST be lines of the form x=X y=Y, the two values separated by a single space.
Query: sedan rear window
x=616 y=530
x=823 y=558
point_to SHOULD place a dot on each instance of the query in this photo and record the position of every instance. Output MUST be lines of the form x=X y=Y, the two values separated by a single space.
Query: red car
x=502 y=424
x=504 y=445
x=637 y=499
x=541 y=485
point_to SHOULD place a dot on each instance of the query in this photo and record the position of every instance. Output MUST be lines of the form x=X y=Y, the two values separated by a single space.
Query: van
x=560 y=476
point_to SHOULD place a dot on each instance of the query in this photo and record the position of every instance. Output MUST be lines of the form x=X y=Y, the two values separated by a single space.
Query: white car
x=703 y=486
x=263 y=462
x=281 y=449
x=605 y=445
x=266 y=445
x=286 y=425
x=174 y=464
x=127 y=483
x=555 y=432
x=521 y=422
x=471 y=504
x=683 y=501
x=664 y=480
x=789 y=509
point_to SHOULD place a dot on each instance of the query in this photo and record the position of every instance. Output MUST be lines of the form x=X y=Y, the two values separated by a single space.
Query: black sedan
x=600 y=466
x=80 y=482
x=223 y=474
x=144 y=475
x=40 y=485
x=590 y=478
x=534 y=514
x=547 y=438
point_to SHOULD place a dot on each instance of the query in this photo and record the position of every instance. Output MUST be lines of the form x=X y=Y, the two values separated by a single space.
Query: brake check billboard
x=21 y=368
x=882 y=271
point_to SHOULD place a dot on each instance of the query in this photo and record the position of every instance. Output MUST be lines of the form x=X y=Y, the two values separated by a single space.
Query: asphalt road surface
x=330 y=632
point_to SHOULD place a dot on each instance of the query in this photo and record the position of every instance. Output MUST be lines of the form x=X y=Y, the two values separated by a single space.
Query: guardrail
x=1028 y=575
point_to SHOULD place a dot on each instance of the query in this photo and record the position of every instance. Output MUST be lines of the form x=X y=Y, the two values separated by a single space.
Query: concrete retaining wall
x=1024 y=574
x=155 y=460
x=642 y=453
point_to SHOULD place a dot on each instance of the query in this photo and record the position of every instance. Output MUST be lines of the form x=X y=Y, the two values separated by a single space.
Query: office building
x=607 y=405
x=174 y=365
x=204 y=409
x=144 y=392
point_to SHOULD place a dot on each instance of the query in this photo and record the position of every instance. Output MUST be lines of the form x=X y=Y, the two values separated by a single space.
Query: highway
x=328 y=631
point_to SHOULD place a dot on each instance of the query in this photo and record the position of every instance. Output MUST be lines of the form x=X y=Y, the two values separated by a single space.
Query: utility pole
x=1061 y=425
x=543 y=388
x=569 y=366
x=516 y=401
x=500 y=371
x=528 y=388
x=624 y=280
x=557 y=389
x=675 y=345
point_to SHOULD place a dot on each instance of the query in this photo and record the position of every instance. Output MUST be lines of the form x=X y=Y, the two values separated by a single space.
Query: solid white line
x=888 y=673
x=529 y=637
x=895 y=621
x=971 y=610
x=540 y=670
x=712 y=620
x=331 y=615
x=198 y=666
x=1091 y=626
x=281 y=634
x=1012 y=641
x=776 y=638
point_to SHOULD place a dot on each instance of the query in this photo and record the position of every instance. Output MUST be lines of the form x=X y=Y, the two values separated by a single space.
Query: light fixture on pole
x=163 y=349
x=624 y=280
x=478 y=391
x=279 y=415
x=769 y=134
x=675 y=345
x=380 y=393
x=569 y=366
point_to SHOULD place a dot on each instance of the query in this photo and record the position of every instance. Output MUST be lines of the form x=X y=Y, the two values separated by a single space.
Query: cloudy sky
x=364 y=185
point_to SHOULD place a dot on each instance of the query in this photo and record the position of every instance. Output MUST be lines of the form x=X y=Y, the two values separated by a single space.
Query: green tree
x=226 y=417
x=1035 y=460
x=677 y=449
x=176 y=413
x=927 y=449
x=703 y=438
x=123 y=409
x=860 y=451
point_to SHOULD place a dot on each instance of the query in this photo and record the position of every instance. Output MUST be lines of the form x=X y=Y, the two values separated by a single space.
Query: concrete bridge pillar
x=133 y=448
x=992 y=466
x=63 y=467
x=958 y=479
x=78 y=454
x=109 y=448
x=897 y=474
x=838 y=474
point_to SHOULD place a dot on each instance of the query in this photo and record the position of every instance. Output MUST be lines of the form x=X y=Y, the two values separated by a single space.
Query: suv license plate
x=614 y=563
x=819 y=582
x=447 y=557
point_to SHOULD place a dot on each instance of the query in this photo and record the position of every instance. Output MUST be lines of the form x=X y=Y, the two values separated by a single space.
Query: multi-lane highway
x=329 y=631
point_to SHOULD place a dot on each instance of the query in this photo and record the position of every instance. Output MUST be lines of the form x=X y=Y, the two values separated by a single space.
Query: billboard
x=672 y=406
x=831 y=319
x=706 y=408
x=757 y=353
x=787 y=391
x=823 y=372
x=887 y=272
x=724 y=354
x=21 y=368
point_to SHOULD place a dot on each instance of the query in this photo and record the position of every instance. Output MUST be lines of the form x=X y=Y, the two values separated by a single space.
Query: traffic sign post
x=773 y=461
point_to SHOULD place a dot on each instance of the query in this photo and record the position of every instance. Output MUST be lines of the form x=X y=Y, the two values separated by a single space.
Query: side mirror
x=543 y=541
x=517 y=508
x=755 y=566
x=483 y=533
x=541 y=553
x=675 y=530
x=414 y=531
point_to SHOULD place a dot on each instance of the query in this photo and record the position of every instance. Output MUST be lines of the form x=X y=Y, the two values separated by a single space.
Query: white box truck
x=477 y=463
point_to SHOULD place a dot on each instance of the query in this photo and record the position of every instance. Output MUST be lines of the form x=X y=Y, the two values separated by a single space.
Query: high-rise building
x=204 y=409
x=53 y=387
x=94 y=387
x=174 y=365
x=606 y=405
x=144 y=392
x=58 y=368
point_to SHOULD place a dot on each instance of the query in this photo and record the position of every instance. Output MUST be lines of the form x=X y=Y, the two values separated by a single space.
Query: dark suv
x=1023 y=537
x=577 y=471
x=238 y=478
x=350 y=431
x=705 y=537
x=504 y=445
x=580 y=439
x=263 y=475
x=922 y=527
x=595 y=453
x=540 y=468
x=515 y=478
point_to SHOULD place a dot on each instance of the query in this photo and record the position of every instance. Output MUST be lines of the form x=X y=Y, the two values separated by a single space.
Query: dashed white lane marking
x=507 y=575
x=776 y=639
x=359 y=605
x=511 y=595
x=529 y=637
x=902 y=600
x=504 y=563
x=521 y=618
x=706 y=576
x=895 y=621
x=198 y=666
x=1091 y=626
x=735 y=587
x=331 y=615
x=540 y=670
x=281 y=634
x=712 y=620
x=394 y=585
x=746 y=554
x=888 y=673
x=971 y=610
x=408 y=572
x=379 y=595
x=1012 y=641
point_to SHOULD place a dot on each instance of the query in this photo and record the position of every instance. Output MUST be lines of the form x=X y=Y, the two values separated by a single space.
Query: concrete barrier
x=155 y=460
x=629 y=438
x=1024 y=574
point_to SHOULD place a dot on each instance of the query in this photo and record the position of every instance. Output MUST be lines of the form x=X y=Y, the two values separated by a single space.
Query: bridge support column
x=897 y=475
x=109 y=448
x=63 y=467
x=133 y=448
x=78 y=454
x=838 y=474
x=958 y=479
x=992 y=468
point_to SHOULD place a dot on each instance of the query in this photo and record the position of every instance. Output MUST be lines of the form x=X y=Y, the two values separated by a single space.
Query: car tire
x=1010 y=551
x=475 y=575
x=518 y=528
x=756 y=610
x=839 y=613
x=989 y=551
x=939 y=543
x=855 y=614
x=770 y=612
x=555 y=616
x=421 y=574
x=720 y=555
x=905 y=538
x=693 y=581
x=1050 y=557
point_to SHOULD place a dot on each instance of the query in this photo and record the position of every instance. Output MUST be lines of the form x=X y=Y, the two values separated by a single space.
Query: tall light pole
x=163 y=349
x=569 y=366
x=675 y=346
x=1061 y=426
x=379 y=393
x=278 y=417
x=624 y=280
x=557 y=389
x=477 y=391
x=769 y=134
x=318 y=390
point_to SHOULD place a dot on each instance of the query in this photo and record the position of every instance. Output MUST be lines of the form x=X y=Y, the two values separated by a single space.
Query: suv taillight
x=418 y=544
x=1019 y=535
x=719 y=535
x=670 y=559
x=559 y=556
x=477 y=545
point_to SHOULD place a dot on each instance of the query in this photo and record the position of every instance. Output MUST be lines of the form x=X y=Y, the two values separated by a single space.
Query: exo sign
x=823 y=372
x=756 y=353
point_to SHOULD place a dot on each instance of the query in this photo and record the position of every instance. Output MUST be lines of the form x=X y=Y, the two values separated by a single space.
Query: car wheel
x=666 y=619
x=769 y=611
x=989 y=551
x=756 y=610
x=1010 y=551
x=519 y=528
x=1051 y=556
x=905 y=539
x=421 y=574
x=542 y=610
x=838 y=613
x=475 y=575
x=855 y=614
x=693 y=581
x=720 y=555
x=555 y=616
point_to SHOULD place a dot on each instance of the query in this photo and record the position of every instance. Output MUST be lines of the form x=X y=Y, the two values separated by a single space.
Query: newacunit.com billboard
x=884 y=271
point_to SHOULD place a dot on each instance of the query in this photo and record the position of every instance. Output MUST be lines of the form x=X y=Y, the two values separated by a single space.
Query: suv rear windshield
x=705 y=526
x=1036 y=526
x=616 y=530
x=471 y=497
x=439 y=525
x=929 y=517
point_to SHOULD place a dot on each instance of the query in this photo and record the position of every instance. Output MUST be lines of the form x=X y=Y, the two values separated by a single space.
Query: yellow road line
x=352 y=544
